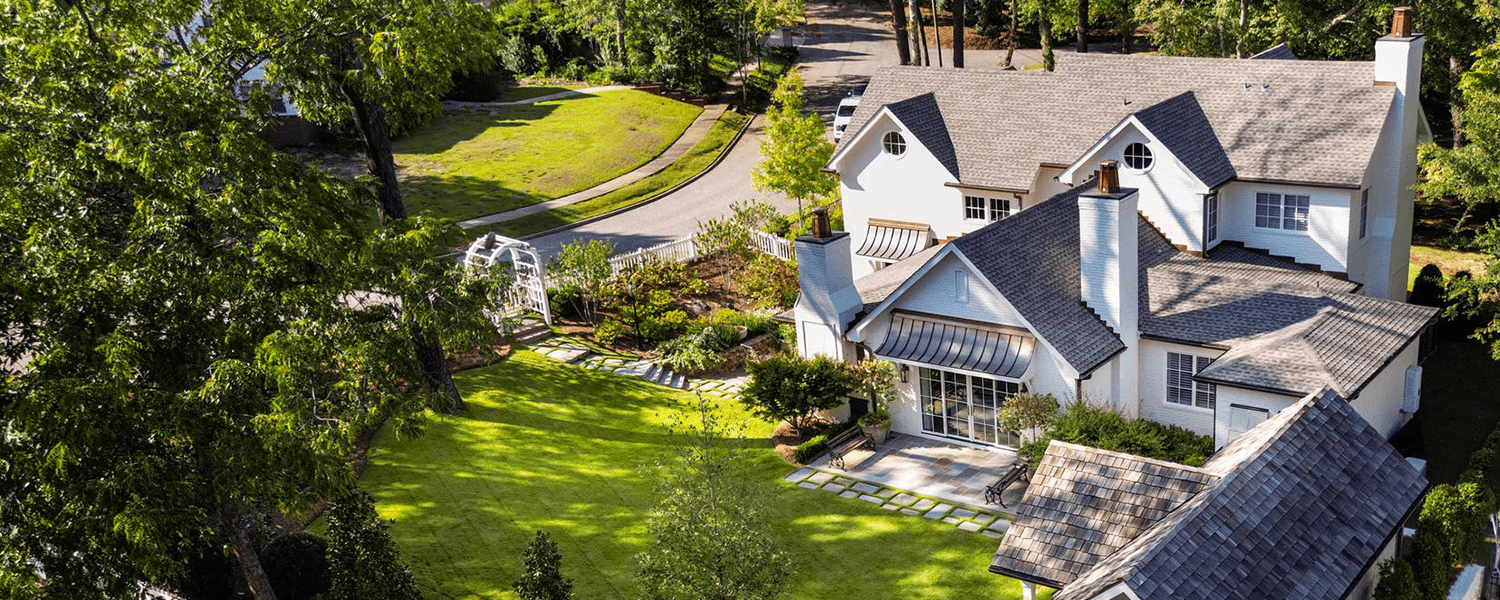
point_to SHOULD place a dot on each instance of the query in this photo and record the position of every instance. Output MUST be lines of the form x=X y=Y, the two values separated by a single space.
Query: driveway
x=844 y=44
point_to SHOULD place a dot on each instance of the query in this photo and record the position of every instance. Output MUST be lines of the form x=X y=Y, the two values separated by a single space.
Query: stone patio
x=952 y=472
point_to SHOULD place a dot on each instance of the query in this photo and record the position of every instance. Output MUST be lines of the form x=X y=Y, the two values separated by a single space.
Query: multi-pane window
x=974 y=207
x=965 y=406
x=1181 y=389
x=1213 y=217
x=1137 y=156
x=893 y=143
x=1281 y=211
x=986 y=209
x=1364 y=211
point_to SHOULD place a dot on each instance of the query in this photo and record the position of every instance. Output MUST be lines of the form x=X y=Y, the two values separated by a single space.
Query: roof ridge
x=1128 y=456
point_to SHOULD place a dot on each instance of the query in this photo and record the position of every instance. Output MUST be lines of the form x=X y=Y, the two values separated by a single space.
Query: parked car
x=858 y=90
x=842 y=115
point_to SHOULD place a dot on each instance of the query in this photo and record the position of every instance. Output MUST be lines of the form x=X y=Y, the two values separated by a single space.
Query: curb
x=654 y=197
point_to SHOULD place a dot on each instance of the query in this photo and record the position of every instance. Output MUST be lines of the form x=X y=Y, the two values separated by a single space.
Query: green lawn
x=697 y=158
x=464 y=164
x=554 y=447
x=521 y=92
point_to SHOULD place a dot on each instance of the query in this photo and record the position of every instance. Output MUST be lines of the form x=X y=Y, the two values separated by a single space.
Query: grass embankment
x=546 y=446
x=697 y=158
x=468 y=164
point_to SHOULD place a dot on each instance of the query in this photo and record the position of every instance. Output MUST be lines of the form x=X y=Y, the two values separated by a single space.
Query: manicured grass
x=1450 y=261
x=697 y=158
x=559 y=448
x=522 y=92
x=465 y=164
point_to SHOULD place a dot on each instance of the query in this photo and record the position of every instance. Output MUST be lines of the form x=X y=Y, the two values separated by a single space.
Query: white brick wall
x=1326 y=241
x=935 y=293
x=1380 y=401
x=1153 y=388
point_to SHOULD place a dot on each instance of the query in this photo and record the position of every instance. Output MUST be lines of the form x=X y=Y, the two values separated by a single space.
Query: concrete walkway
x=689 y=138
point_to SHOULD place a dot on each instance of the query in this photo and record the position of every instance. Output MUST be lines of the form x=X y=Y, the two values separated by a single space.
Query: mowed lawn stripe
x=468 y=164
x=550 y=446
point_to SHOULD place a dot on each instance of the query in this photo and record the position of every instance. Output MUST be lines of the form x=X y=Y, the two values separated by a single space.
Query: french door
x=965 y=406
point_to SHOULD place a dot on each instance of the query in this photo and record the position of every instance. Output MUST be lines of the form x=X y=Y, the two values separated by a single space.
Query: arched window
x=1138 y=156
x=894 y=144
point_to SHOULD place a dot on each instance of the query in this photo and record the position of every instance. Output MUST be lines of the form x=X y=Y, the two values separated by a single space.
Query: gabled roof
x=1302 y=505
x=921 y=115
x=1278 y=52
x=1083 y=504
x=1313 y=121
x=1182 y=127
x=1031 y=258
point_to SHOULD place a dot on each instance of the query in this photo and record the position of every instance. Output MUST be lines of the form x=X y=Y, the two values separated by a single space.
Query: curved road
x=844 y=44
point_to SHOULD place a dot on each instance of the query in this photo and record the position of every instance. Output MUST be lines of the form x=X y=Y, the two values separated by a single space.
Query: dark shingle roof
x=1183 y=128
x=1278 y=52
x=1302 y=504
x=924 y=118
x=1083 y=504
x=1032 y=259
x=1314 y=122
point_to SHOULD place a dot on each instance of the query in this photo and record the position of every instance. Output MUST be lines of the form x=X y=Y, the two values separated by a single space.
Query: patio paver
x=952 y=472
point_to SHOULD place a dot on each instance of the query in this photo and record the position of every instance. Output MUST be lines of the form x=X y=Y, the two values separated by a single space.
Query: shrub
x=1397 y=581
x=695 y=353
x=584 y=265
x=1458 y=514
x=816 y=445
x=296 y=563
x=791 y=388
x=1103 y=428
x=770 y=281
x=610 y=331
x=363 y=561
x=1427 y=290
x=566 y=301
x=541 y=576
x=1431 y=564
x=755 y=322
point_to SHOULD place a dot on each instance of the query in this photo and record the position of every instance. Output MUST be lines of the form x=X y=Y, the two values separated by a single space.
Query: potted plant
x=878 y=379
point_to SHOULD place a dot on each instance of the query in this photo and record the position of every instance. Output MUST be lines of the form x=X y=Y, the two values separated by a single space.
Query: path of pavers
x=892 y=499
x=569 y=350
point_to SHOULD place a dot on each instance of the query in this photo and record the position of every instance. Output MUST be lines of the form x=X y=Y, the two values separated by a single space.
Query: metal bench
x=995 y=492
x=843 y=443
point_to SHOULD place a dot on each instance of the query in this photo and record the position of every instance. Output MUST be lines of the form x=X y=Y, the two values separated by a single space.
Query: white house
x=1211 y=144
x=1242 y=246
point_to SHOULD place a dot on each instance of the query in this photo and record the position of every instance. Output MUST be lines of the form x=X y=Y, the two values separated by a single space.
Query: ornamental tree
x=796 y=148
x=791 y=388
x=362 y=557
x=541 y=572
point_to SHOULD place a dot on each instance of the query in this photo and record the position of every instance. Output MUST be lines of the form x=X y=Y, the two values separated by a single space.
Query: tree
x=1460 y=516
x=796 y=148
x=791 y=388
x=898 y=22
x=1083 y=26
x=183 y=346
x=541 y=572
x=726 y=240
x=958 y=34
x=377 y=65
x=709 y=537
x=876 y=378
x=1027 y=413
x=585 y=263
x=363 y=560
x=1470 y=173
x=1397 y=581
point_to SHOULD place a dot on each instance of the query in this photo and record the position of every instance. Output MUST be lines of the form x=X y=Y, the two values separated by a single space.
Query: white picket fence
x=686 y=249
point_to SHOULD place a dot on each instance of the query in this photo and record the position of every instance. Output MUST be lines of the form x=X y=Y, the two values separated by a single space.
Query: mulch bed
x=785 y=441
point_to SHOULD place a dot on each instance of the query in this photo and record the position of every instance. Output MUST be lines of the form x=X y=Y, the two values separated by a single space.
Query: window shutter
x=1412 y=398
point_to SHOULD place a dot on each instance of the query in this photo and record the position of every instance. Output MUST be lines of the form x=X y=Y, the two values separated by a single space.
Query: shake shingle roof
x=1300 y=507
x=1298 y=121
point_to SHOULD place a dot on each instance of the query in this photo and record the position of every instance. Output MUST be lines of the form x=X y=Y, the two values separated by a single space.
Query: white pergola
x=529 y=291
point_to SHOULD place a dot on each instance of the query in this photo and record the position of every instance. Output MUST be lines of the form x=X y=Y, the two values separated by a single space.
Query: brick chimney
x=1398 y=63
x=1108 y=280
x=827 y=301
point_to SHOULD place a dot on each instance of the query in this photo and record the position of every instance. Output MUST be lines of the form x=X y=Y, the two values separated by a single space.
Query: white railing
x=773 y=245
x=686 y=249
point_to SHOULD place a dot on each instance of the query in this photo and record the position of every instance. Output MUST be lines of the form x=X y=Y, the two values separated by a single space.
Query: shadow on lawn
x=458 y=126
x=455 y=196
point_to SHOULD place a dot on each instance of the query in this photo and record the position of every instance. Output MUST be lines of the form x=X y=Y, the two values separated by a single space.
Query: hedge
x=1105 y=429
x=816 y=445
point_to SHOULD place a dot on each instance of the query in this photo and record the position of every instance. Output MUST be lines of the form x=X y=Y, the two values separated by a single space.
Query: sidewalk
x=689 y=138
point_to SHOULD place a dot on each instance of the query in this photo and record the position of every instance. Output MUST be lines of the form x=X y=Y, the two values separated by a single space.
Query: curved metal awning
x=948 y=344
x=894 y=240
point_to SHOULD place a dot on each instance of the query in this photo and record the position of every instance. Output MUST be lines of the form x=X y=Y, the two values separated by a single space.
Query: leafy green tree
x=796 y=148
x=726 y=241
x=362 y=557
x=709 y=534
x=1028 y=413
x=1469 y=173
x=1315 y=30
x=187 y=342
x=1459 y=514
x=1397 y=581
x=585 y=263
x=791 y=388
x=541 y=572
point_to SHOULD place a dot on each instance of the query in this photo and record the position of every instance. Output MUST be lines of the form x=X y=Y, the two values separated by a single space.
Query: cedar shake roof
x=1300 y=507
x=1083 y=504
x=1313 y=121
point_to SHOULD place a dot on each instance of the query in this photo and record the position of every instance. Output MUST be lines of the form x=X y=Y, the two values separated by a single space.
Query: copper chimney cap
x=1401 y=22
x=820 y=227
x=1109 y=177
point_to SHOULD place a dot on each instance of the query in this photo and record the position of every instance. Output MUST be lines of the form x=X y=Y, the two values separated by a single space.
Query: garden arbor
x=529 y=289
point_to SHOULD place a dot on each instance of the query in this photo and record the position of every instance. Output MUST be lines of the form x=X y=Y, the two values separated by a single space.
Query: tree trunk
x=1049 y=60
x=245 y=554
x=920 y=32
x=370 y=119
x=1239 y=34
x=1083 y=26
x=620 y=34
x=1455 y=106
x=1011 y=36
x=1127 y=27
x=898 y=19
x=937 y=35
x=958 y=34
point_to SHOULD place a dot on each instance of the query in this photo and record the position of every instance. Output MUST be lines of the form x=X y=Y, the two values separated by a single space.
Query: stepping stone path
x=966 y=518
x=572 y=351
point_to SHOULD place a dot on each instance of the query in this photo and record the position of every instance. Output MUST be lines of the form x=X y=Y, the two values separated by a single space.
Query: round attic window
x=894 y=144
x=1138 y=156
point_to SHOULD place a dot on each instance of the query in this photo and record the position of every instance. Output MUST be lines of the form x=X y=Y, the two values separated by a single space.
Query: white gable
x=1171 y=197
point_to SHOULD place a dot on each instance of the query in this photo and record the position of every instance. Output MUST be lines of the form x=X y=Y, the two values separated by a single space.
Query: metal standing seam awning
x=894 y=240
x=948 y=344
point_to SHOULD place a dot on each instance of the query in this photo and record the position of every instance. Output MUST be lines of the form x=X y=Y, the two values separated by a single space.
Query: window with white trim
x=1181 y=389
x=965 y=406
x=1281 y=211
x=1212 y=211
x=999 y=208
x=893 y=143
x=1137 y=156
x=1364 y=212
x=961 y=285
x=974 y=207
